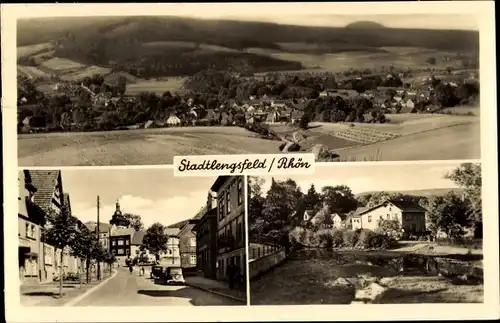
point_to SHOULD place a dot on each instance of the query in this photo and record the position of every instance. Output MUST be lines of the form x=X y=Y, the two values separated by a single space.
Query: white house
x=410 y=215
x=338 y=220
x=173 y=121
x=308 y=215
x=410 y=104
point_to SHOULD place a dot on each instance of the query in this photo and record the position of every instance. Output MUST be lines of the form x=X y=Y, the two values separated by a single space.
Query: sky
x=154 y=194
x=368 y=178
x=466 y=22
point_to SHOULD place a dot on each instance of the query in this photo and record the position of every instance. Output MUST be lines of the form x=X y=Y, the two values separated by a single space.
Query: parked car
x=174 y=276
x=157 y=272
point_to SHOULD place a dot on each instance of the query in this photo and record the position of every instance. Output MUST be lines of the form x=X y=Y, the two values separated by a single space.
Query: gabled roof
x=172 y=231
x=123 y=232
x=403 y=205
x=138 y=237
x=92 y=225
x=407 y=206
x=45 y=182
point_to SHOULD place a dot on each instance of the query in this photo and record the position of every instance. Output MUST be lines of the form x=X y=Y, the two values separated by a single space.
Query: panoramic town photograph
x=140 y=90
x=91 y=237
x=367 y=234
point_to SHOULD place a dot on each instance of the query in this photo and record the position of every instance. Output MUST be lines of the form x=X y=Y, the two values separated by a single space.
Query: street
x=127 y=289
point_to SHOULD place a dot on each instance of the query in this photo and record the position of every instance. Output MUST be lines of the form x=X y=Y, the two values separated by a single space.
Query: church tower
x=118 y=220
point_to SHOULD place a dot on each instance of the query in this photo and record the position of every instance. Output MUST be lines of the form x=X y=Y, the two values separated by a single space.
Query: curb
x=90 y=291
x=218 y=293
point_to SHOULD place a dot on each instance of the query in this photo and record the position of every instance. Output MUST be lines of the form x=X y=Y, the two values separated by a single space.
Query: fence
x=259 y=250
x=259 y=266
x=460 y=242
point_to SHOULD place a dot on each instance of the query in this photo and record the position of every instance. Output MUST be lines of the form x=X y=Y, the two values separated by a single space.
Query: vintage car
x=174 y=276
x=157 y=271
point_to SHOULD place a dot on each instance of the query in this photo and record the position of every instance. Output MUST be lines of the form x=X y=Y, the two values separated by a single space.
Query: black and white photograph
x=92 y=237
x=139 y=90
x=376 y=234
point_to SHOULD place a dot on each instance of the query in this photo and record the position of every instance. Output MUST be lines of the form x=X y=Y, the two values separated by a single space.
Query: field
x=173 y=84
x=31 y=72
x=136 y=147
x=61 y=64
x=87 y=71
x=23 y=51
x=414 y=58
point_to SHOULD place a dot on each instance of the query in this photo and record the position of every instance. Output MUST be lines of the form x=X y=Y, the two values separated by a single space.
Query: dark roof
x=407 y=206
x=178 y=225
x=45 y=182
x=137 y=238
x=103 y=227
x=403 y=205
x=218 y=183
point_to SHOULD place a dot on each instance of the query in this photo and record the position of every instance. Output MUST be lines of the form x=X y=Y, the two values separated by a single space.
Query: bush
x=325 y=238
x=369 y=239
x=337 y=238
x=351 y=238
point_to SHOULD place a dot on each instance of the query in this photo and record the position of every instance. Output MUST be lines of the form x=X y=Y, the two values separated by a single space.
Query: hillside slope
x=424 y=193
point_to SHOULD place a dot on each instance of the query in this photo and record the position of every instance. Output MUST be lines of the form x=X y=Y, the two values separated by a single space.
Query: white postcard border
x=16 y=313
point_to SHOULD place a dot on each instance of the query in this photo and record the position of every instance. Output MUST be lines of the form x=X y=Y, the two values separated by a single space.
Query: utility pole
x=98 y=240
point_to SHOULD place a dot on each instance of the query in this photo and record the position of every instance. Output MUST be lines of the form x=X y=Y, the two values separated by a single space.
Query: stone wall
x=263 y=264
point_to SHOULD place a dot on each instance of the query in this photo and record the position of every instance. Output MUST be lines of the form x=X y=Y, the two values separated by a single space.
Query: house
x=121 y=235
x=104 y=232
x=172 y=255
x=308 y=215
x=272 y=117
x=230 y=224
x=173 y=120
x=410 y=215
x=187 y=245
x=206 y=239
x=338 y=220
x=40 y=190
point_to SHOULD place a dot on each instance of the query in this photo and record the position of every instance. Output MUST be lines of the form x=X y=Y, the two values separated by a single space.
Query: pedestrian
x=130 y=268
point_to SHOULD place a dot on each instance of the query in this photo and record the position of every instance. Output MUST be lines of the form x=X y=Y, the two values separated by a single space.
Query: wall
x=387 y=212
x=263 y=264
x=414 y=221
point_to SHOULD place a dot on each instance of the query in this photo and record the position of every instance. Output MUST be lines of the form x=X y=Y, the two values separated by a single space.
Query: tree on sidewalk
x=87 y=247
x=156 y=239
x=61 y=231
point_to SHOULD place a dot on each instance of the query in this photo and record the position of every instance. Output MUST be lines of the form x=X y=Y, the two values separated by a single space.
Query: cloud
x=165 y=211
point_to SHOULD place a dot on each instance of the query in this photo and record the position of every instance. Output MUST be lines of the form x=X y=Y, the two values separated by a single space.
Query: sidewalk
x=216 y=287
x=47 y=293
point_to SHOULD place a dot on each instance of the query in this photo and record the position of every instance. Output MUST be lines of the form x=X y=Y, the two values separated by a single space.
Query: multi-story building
x=206 y=240
x=410 y=216
x=172 y=256
x=187 y=245
x=104 y=233
x=230 y=223
x=40 y=191
x=121 y=235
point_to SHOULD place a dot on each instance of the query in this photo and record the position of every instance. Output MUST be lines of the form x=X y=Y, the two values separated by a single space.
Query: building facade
x=40 y=191
x=172 y=256
x=206 y=240
x=187 y=245
x=230 y=224
x=120 y=236
x=410 y=216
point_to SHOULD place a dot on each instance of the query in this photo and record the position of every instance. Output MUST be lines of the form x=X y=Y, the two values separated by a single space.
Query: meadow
x=29 y=50
x=137 y=147
x=172 y=84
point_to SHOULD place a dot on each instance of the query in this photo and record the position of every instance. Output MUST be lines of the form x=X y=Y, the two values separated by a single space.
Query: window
x=113 y=242
x=193 y=242
x=47 y=255
x=240 y=190
x=228 y=201
x=30 y=230
x=388 y=216
x=221 y=207
x=127 y=251
x=113 y=251
x=127 y=242
x=193 y=259
x=369 y=218
x=120 y=242
x=121 y=251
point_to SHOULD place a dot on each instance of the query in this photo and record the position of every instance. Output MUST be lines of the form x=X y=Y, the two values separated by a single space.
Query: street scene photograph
x=139 y=90
x=137 y=237
x=367 y=234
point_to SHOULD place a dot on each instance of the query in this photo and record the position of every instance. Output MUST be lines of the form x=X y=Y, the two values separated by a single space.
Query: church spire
x=118 y=206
